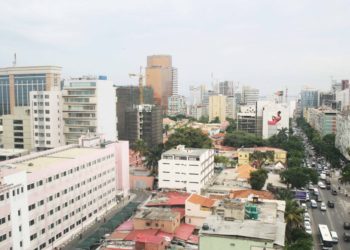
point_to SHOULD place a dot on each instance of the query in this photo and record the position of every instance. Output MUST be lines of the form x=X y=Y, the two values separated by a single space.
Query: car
x=334 y=192
x=307 y=227
x=315 y=191
x=346 y=225
x=306 y=215
x=328 y=187
x=311 y=187
x=319 y=199
x=313 y=204
x=328 y=182
x=334 y=236
x=323 y=207
x=330 y=204
x=308 y=219
x=304 y=206
x=346 y=236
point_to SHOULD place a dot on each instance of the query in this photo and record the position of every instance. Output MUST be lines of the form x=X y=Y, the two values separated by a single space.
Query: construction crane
x=140 y=76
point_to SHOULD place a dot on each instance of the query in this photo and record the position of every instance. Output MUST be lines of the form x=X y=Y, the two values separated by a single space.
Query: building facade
x=186 y=169
x=53 y=195
x=249 y=95
x=324 y=120
x=17 y=82
x=231 y=107
x=217 y=107
x=342 y=136
x=46 y=119
x=309 y=99
x=162 y=77
x=127 y=98
x=177 y=105
x=17 y=129
x=275 y=118
x=144 y=122
x=89 y=106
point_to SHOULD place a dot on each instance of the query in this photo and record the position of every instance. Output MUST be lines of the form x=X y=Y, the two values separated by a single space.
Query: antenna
x=14 y=60
x=286 y=95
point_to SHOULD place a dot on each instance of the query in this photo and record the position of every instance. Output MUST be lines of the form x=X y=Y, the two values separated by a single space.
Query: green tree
x=258 y=178
x=215 y=120
x=298 y=177
x=190 y=137
x=152 y=156
x=242 y=139
x=140 y=147
x=232 y=125
x=203 y=119
x=345 y=174
x=259 y=158
x=293 y=215
x=299 y=239
x=166 y=129
x=221 y=159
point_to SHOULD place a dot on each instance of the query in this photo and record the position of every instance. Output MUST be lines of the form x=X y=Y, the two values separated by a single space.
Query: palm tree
x=140 y=147
x=152 y=157
x=282 y=135
x=293 y=215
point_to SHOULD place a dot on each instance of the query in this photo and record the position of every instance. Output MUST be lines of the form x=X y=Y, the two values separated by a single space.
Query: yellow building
x=217 y=107
x=279 y=155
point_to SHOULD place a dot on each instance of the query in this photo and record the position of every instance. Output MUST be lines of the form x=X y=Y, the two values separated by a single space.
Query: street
x=335 y=217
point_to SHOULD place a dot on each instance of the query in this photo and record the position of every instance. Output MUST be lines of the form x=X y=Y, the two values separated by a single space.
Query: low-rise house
x=198 y=208
x=244 y=155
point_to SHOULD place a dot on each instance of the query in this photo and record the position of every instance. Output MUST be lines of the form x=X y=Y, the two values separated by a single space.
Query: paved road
x=333 y=217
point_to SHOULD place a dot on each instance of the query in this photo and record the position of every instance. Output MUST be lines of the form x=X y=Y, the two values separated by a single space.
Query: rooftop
x=157 y=214
x=243 y=171
x=201 y=200
x=262 y=149
x=274 y=232
x=180 y=150
x=246 y=193
x=168 y=199
x=12 y=152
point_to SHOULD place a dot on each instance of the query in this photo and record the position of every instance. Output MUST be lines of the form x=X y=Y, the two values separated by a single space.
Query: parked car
x=330 y=204
x=303 y=205
x=347 y=225
x=307 y=227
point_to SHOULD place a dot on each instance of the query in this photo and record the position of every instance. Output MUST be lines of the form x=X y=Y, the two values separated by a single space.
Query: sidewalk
x=69 y=245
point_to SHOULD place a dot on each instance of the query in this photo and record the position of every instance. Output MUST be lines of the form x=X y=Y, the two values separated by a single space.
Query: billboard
x=275 y=117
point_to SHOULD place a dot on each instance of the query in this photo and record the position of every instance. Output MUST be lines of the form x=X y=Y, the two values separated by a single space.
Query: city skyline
x=265 y=45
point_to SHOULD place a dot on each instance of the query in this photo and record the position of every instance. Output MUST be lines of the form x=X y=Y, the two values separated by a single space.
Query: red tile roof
x=133 y=235
x=247 y=192
x=166 y=236
x=144 y=238
x=168 y=199
x=184 y=231
x=193 y=239
x=126 y=226
x=201 y=200
x=117 y=235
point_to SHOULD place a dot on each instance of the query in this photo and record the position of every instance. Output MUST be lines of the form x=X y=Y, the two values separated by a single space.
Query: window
x=30 y=186
x=40 y=203
x=2 y=237
x=31 y=207
x=31 y=222
x=33 y=236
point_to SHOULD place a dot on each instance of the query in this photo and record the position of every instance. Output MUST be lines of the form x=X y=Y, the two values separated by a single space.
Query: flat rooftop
x=44 y=159
x=185 y=151
x=156 y=214
x=12 y=152
x=274 y=232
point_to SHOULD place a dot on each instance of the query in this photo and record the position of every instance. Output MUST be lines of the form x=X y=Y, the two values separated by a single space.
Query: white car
x=323 y=207
x=307 y=227
x=303 y=205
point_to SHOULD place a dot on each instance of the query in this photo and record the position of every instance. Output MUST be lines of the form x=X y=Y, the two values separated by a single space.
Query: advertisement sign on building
x=275 y=117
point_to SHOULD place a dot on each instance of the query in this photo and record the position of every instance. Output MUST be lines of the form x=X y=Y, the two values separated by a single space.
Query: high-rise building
x=177 y=105
x=46 y=119
x=217 y=107
x=127 y=98
x=231 y=107
x=226 y=88
x=327 y=99
x=323 y=119
x=342 y=137
x=17 y=82
x=48 y=197
x=247 y=120
x=250 y=95
x=89 y=107
x=17 y=129
x=162 y=77
x=309 y=99
x=144 y=122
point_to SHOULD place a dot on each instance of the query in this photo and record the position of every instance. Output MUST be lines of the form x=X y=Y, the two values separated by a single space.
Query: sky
x=268 y=44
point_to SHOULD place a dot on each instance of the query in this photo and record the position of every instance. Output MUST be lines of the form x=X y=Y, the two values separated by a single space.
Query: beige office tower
x=17 y=82
x=162 y=77
x=217 y=107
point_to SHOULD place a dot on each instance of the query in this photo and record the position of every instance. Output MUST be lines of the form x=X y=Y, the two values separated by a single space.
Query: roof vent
x=30 y=164
x=205 y=226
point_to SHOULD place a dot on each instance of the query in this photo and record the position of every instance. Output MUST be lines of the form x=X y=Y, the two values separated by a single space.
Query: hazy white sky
x=269 y=44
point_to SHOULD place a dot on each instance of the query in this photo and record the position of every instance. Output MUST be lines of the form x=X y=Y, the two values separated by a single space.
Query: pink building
x=47 y=197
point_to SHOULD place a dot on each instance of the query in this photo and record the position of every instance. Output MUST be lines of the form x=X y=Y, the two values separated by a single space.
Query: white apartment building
x=46 y=119
x=342 y=136
x=89 y=106
x=49 y=196
x=177 y=105
x=231 y=107
x=187 y=169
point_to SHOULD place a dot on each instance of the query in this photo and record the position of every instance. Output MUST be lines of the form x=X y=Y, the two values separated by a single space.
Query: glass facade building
x=4 y=95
